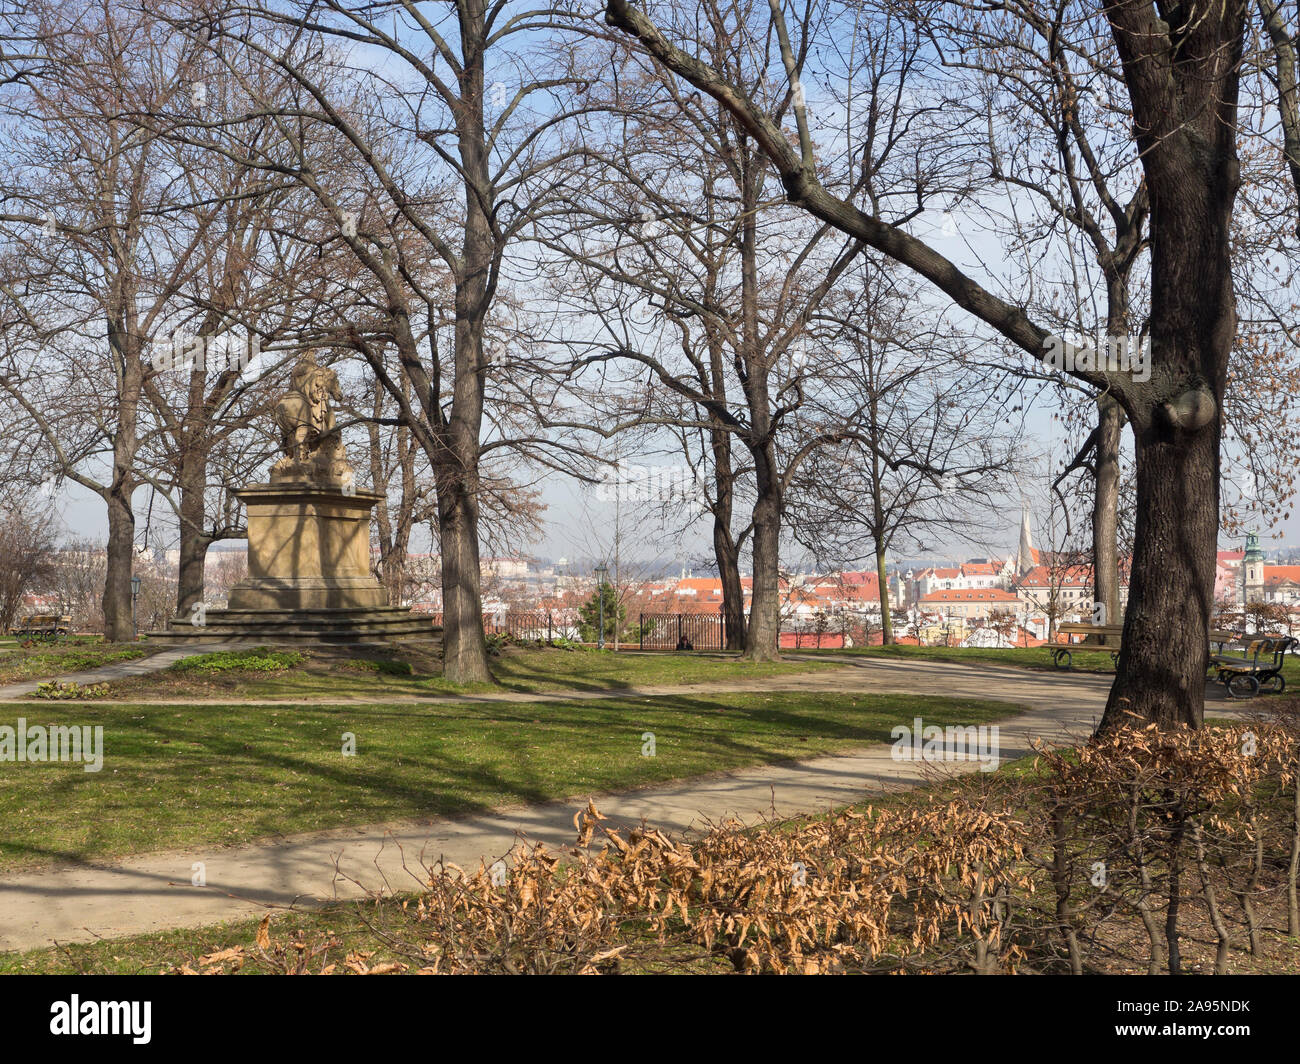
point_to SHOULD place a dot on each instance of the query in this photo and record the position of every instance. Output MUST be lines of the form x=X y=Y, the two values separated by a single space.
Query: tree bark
x=464 y=645
x=727 y=555
x=882 y=581
x=763 y=635
x=1105 y=509
x=1185 y=123
x=117 y=494
x=194 y=540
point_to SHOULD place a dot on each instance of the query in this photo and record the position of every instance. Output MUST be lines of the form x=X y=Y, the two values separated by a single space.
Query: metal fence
x=658 y=631
x=664 y=631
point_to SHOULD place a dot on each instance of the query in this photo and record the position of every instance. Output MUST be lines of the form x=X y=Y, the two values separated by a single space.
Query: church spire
x=1025 y=555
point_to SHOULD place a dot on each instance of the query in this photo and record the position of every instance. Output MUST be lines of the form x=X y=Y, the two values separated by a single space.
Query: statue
x=313 y=451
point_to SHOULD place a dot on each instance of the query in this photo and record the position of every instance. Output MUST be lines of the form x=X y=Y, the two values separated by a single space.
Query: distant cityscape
x=1018 y=599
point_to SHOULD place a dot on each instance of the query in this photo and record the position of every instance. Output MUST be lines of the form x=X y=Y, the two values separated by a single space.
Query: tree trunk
x=763 y=635
x=118 y=626
x=725 y=549
x=124 y=343
x=1183 y=81
x=1165 y=649
x=886 y=621
x=464 y=645
x=1105 y=509
x=192 y=484
x=733 y=593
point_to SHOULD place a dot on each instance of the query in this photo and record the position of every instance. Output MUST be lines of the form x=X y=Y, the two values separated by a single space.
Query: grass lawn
x=41 y=661
x=348 y=922
x=377 y=673
x=193 y=776
x=1084 y=660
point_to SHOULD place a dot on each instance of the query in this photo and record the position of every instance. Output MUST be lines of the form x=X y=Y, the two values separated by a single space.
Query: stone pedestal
x=308 y=549
x=309 y=577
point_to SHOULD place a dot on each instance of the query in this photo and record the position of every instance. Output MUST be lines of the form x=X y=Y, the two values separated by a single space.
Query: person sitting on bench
x=685 y=644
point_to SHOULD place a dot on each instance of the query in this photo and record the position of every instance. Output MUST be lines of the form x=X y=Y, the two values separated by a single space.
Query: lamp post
x=135 y=593
x=601 y=574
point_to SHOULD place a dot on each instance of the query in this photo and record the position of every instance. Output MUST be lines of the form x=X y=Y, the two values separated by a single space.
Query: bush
x=256 y=659
x=59 y=689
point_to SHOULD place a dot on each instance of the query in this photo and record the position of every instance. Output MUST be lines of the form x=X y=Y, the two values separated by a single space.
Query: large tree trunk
x=118 y=626
x=1183 y=85
x=1165 y=650
x=456 y=466
x=464 y=645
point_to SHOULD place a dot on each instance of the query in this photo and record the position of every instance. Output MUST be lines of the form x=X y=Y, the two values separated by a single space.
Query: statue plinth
x=308 y=549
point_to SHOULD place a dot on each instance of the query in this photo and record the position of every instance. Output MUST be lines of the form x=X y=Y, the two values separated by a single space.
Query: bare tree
x=95 y=257
x=1180 y=68
x=921 y=463
x=439 y=176
x=27 y=542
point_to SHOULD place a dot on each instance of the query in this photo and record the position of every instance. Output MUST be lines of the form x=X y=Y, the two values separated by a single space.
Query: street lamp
x=601 y=574
x=135 y=593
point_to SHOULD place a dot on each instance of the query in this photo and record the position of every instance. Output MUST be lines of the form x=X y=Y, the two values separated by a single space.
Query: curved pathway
x=153 y=892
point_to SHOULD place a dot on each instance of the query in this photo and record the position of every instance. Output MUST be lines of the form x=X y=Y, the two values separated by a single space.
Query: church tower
x=1253 y=566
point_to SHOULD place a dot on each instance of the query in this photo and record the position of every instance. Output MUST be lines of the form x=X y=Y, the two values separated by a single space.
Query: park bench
x=1257 y=668
x=1061 y=655
x=42 y=626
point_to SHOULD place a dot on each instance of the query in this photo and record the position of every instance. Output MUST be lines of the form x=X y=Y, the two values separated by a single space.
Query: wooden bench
x=1257 y=668
x=1061 y=656
x=42 y=626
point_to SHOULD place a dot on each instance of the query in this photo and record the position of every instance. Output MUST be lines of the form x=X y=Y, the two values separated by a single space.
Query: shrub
x=60 y=689
x=256 y=659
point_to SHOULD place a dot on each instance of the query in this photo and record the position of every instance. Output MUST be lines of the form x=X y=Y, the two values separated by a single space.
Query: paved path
x=118 y=670
x=154 y=892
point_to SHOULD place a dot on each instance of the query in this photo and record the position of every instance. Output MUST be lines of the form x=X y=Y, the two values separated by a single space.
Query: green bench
x=1257 y=668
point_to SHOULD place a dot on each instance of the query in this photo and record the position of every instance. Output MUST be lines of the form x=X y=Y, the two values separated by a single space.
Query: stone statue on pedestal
x=313 y=451
x=309 y=567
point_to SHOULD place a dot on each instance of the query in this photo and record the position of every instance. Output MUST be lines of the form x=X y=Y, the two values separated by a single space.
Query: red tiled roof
x=975 y=594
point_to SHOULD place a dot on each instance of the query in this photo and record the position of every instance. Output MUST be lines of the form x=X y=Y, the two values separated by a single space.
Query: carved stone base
x=308 y=573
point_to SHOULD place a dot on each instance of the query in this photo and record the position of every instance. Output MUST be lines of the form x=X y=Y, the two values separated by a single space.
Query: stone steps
x=351 y=625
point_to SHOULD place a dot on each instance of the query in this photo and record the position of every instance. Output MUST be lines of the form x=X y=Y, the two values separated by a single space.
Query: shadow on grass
x=218 y=775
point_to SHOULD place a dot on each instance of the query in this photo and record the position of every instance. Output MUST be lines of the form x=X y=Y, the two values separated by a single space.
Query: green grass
x=1020 y=657
x=334 y=673
x=258 y=659
x=46 y=660
x=1083 y=660
x=212 y=775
